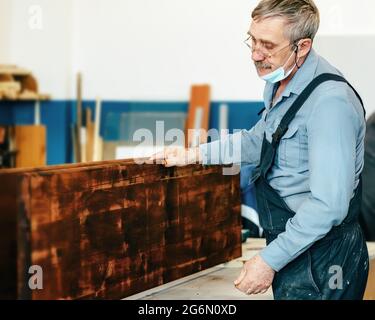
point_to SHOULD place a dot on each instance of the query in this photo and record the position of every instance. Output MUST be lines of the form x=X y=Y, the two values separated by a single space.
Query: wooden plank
x=112 y=229
x=8 y=227
x=79 y=119
x=89 y=135
x=10 y=89
x=10 y=86
x=26 y=96
x=198 y=115
x=30 y=142
x=73 y=134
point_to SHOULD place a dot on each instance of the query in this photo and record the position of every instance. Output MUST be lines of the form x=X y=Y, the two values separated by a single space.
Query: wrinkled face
x=271 y=48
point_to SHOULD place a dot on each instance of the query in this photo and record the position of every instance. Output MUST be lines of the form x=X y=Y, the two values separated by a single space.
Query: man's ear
x=304 y=47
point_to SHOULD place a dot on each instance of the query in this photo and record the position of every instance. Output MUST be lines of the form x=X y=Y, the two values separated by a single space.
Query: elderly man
x=308 y=148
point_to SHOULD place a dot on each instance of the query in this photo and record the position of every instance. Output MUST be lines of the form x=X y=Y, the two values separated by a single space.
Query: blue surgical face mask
x=279 y=74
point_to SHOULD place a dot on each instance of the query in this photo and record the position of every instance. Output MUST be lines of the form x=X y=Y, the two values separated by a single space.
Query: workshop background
x=145 y=55
x=79 y=77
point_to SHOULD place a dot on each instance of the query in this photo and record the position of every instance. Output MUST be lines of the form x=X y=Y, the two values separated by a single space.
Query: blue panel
x=58 y=116
x=111 y=123
x=241 y=115
x=23 y=114
x=55 y=115
x=6 y=113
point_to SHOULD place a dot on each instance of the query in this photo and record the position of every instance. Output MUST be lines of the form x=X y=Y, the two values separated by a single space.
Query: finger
x=149 y=161
x=261 y=289
x=240 y=277
x=251 y=290
x=264 y=291
x=256 y=291
x=244 y=286
x=170 y=162
x=158 y=156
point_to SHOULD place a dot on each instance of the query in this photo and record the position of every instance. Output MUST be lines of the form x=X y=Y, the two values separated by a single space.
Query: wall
x=47 y=50
x=156 y=49
x=153 y=50
x=5 y=29
x=351 y=54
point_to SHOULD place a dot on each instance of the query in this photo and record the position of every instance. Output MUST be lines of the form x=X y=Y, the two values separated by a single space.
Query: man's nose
x=256 y=56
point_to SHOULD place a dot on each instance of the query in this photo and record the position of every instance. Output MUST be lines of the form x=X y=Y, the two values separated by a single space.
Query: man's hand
x=256 y=276
x=176 y=156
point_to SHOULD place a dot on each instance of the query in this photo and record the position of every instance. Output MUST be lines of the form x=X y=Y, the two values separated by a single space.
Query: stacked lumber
x=111 y=229
x=18 y=84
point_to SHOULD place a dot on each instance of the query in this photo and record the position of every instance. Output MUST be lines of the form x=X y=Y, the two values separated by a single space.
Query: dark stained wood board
x=112 y=229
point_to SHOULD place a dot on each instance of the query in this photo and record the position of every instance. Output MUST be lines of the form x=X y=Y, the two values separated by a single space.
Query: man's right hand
x=177 y=156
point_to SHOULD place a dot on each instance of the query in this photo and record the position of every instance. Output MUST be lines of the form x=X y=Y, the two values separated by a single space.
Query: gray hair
x=302 y=16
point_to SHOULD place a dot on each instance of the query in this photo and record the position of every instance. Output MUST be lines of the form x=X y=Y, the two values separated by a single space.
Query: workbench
x=217 y=283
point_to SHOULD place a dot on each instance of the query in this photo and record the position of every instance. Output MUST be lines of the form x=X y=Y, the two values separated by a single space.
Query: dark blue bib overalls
x=309 y=276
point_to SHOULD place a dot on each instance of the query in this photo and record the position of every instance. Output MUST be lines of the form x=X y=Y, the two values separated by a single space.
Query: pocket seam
x=312 y=280
x=292 y=131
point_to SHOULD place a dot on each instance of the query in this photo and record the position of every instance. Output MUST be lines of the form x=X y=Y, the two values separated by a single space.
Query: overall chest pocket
x=289 y=151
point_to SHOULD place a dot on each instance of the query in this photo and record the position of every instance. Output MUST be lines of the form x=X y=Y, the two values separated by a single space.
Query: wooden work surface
x=217 y=283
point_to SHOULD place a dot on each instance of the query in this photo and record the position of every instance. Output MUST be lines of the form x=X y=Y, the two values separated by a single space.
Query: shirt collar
x=300 y=80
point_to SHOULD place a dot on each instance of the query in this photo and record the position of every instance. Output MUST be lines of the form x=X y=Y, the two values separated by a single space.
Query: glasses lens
x=263 y=51
x=251 y=44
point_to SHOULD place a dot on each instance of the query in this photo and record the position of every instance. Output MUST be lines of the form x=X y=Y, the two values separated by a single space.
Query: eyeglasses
x=267 y=53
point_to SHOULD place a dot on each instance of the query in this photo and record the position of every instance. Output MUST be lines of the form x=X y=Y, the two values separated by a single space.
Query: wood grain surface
x=112 y=229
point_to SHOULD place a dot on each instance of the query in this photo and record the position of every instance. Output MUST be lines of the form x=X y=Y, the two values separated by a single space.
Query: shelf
x=41 y=98
x=18 y=84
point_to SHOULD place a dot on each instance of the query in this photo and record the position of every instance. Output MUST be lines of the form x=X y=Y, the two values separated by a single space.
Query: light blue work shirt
x=318 y=162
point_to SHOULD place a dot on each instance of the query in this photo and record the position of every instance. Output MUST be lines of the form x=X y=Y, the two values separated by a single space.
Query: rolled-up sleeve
x=243 y=146
x=332 y=130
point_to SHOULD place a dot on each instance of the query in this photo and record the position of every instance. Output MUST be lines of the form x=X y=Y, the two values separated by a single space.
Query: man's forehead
x=269 y=29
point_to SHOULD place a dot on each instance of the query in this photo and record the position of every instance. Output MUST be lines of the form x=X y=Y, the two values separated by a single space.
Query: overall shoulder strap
x=290 y=114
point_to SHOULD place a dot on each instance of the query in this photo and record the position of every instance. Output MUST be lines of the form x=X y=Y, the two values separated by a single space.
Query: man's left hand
x=256 y=276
